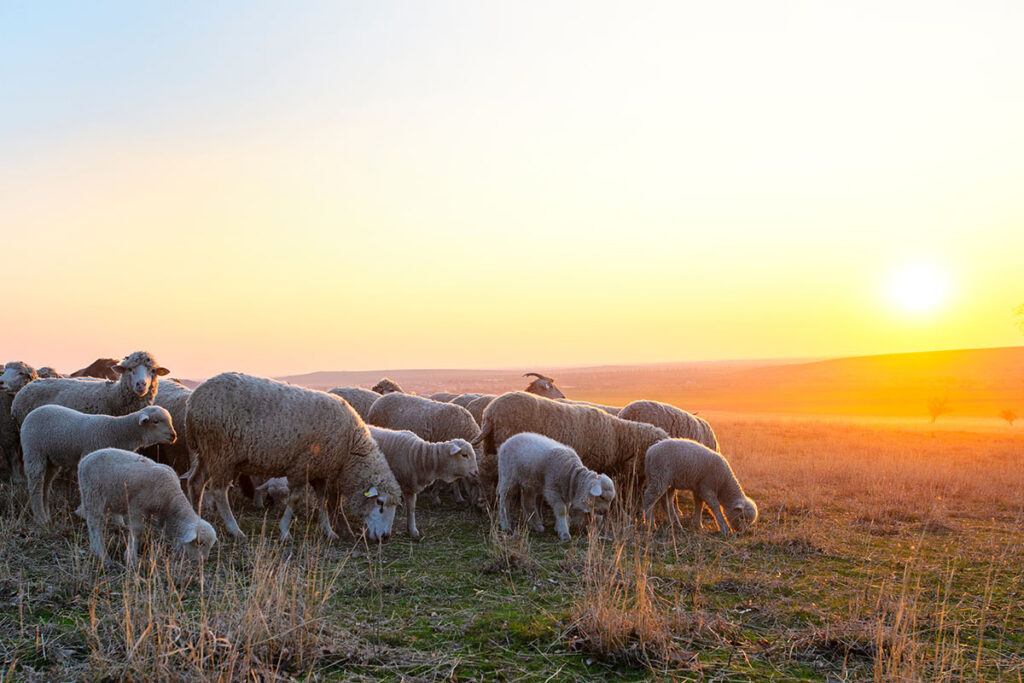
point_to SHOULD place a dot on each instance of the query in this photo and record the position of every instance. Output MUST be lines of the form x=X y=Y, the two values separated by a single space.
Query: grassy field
x=884 y=550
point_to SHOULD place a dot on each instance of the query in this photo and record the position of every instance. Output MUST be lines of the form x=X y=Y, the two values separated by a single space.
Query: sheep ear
x=143 y=419
x=595 y=488
x=371 y=492
x=190 y=535
x=117 y=369
x=263 y=486
x=455 y=449
x=161 y=371
x=738 y=507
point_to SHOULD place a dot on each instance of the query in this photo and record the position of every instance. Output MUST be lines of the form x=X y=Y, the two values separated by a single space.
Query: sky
x=279 y=188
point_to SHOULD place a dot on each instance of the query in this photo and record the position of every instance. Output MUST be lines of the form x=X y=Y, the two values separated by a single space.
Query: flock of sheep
x=373 y=448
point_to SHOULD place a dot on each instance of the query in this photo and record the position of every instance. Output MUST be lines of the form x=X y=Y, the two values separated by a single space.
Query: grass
x=882 y=552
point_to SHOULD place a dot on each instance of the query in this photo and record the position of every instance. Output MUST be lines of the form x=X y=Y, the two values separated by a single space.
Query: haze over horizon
x=390 y=186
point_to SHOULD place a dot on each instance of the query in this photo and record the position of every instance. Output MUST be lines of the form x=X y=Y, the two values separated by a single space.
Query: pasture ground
x=886 y=551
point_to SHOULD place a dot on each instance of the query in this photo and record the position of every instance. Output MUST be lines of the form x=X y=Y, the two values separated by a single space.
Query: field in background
x=885 y=551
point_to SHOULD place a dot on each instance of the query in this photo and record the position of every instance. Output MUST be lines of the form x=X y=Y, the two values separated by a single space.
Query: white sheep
x=16 y=375
x=54 y=437
x=417 y=463
x=684 y=464
x=239 y=424
x=534 y=465
x=131 y=488
x=275 y=488
x=678 y=423
x=386 y=385
x=134 y=390
x=357 y=397
x=46 y=372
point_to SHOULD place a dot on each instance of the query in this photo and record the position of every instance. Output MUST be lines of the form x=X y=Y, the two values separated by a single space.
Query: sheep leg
x=51 y=476
x=456 y=492
x=96 y=538
x=220 y=498
x=698 y=511
x=504 y=508
x=671 y=508
x=531 y=510
x=294 y=498
x=651 y=499
x=131 y=554
x=435 y=494
x=716 y=509
x=561 y=518
x=410 y=515
x=36 y=477
x=320 y=490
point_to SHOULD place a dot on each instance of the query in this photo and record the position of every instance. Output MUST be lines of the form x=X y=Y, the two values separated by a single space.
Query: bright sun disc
x=918 y=287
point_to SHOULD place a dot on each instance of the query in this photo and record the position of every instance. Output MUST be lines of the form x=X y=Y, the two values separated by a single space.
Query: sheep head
x=387 y=386
x=140 y=372
x=16 y=375
x=377 y=511
x=741 y=514
x=198 y=539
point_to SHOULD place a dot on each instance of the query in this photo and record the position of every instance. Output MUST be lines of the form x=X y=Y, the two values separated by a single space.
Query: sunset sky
x=281 y=188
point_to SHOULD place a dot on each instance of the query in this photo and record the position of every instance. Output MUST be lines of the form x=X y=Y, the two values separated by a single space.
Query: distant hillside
x=977 y=382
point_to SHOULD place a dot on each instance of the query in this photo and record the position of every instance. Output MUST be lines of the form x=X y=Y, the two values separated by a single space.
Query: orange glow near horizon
x=286 y=192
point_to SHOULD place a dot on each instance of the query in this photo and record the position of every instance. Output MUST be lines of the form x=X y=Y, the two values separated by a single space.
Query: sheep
x=387 y=386
x=275 y=488
x=604 y=443
x=464 y=399
x=678 y=423
x=611 y=410
x=543 y=386
x=54 y=437
x=46 y=372
x=430 y=420
x=357 y=397
x=240 y=424
x=134 y=390
x=478 y=405
x=685 y=464
x=442 y=396
x=417 y=463
x=103 y=368
x=13 y=379
x=535 y=465
x=131 y=487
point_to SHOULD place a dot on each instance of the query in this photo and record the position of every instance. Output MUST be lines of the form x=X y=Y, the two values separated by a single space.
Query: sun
x=918 y=287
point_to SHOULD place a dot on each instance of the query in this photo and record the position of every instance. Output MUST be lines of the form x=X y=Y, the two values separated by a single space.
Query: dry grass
x=883 y=552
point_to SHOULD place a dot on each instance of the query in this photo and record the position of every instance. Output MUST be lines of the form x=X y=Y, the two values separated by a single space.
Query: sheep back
x=360 y=399
x=430 y=420
x=678 y=423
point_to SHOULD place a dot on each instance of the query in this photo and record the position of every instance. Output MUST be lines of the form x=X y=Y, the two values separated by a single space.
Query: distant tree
x=1008 y=415
x=938 y=405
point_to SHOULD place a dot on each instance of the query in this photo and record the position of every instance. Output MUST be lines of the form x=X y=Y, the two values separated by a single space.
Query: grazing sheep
x=54 y=437
x=535 y=465
x=357 y=397
x=464 y=399
x=239 y=424
x=46 y=372
x=275 y=488
x=543 y=386
x=417 y=463
x=134 y=390
x=685 y=464
x=678 y=423
x=604 y=443
x=387 y=386
x=103 y=368
x=132 y=488
x=14 y=378
x=611 y=410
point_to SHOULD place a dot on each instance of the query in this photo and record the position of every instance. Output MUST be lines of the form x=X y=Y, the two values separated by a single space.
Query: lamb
x=134 y=390
x=357 y=397
x=240 y=424
x=604 y=443
x=275 y=488
x=46 y=372
x=417 y=463
x=54 y=437
x=131 y=487
x=678 y=423
x=14 y=378
x=387 y=386
x=535 y=465
x=685 y=464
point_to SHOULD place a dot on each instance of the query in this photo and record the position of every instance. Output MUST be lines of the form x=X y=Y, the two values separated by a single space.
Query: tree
x=1008 y=415
x=938 y=405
